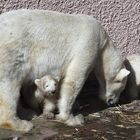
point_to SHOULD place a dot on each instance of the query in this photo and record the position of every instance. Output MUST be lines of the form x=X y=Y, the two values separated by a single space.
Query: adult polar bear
x=34 y=43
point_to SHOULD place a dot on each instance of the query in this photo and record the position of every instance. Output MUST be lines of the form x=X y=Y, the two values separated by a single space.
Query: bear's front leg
x=72 y=84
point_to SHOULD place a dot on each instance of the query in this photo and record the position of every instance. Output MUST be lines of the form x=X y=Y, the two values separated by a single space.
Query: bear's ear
x=123 y=73
x=38 y=82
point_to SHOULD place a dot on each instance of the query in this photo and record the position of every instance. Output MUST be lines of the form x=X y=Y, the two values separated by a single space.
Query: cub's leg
x=9 y=96
x=75 y=77
x=48 y=109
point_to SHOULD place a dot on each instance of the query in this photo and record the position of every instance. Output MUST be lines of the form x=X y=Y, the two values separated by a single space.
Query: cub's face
x=50 y=86
x=115 y=86
x=47 y=84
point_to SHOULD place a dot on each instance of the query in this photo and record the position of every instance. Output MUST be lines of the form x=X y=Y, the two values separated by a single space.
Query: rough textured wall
x=120 y=18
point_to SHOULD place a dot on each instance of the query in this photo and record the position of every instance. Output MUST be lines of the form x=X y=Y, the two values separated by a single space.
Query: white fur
x=75 y=120
x=34 y=43
x=132 y=63
x=122 y=74
x=44 y=93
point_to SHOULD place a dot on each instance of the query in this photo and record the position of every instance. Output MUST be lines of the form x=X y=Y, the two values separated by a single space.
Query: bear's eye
x=118 y=81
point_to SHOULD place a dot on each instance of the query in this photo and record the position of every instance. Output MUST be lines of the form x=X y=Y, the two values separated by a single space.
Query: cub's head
x=115 y=86
x=47 y=85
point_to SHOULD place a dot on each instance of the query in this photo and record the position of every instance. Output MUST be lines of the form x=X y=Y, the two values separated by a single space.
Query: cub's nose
x=53 y=92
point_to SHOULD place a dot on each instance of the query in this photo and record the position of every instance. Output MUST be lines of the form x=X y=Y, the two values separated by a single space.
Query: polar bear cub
x=46 y=93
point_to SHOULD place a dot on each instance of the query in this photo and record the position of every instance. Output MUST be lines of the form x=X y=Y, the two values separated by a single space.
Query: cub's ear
x=57 y=78
x=123 y=73
x=38 y=82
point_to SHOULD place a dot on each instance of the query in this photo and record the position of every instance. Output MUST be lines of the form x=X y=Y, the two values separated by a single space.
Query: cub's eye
x=46 y=86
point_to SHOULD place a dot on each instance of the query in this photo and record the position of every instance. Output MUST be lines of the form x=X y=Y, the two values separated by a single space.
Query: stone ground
x=115 y=123
x=121 y=122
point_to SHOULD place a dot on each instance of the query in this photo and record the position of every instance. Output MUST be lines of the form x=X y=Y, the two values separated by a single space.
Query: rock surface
x=121 y=122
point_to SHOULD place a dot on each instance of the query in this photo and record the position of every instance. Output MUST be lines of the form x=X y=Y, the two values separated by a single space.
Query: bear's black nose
x=110 y=102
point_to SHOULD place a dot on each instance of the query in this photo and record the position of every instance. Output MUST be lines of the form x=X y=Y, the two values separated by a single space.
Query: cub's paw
x=48 y=115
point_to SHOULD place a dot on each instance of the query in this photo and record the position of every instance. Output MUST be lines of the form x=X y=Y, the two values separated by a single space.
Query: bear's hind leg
x=9 y=96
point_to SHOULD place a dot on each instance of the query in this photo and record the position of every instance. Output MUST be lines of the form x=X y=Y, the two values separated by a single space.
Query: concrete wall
x=120 y=18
